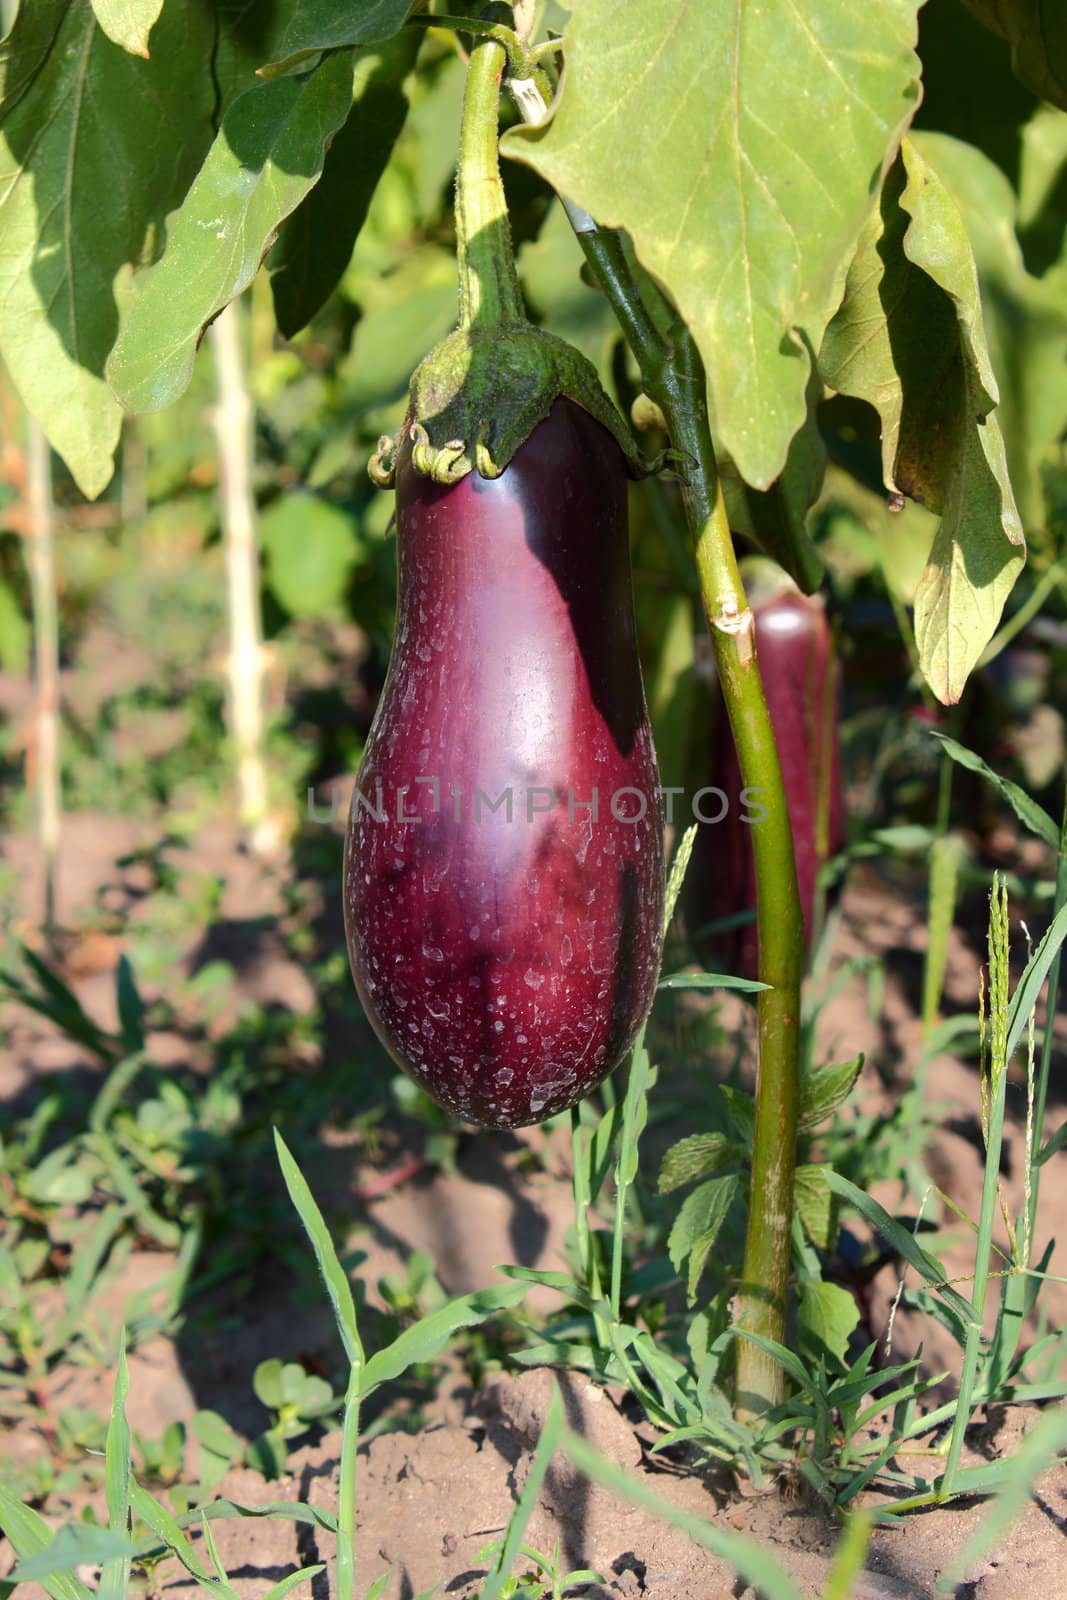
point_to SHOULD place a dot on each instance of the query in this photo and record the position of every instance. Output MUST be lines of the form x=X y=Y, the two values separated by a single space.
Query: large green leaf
x=268 y=153
x=775 y=519
x=1037 y=33
x=969 y=89
x=128 y=22
x=25 y=49
x=826 y=1316
x=311 y=547
x=83 y=192
x=1025 y=318
x=1042 y=185
x=329 y=24
x=740 y=146
x=317 y=239
x=909 y=339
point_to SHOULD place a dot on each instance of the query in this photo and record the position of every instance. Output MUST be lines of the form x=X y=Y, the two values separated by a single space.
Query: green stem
x=674 y=378
x=1051 y=997
x=489 y=295
x=346 y=1489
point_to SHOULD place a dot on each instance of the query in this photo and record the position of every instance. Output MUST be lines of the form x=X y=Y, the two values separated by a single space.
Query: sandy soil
x=430 y=1502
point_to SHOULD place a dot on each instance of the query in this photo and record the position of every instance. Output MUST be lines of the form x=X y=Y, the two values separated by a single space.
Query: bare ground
x=430 y=1502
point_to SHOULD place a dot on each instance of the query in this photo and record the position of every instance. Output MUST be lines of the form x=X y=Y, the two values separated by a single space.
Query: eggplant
x=503 y=878
x=799 y=667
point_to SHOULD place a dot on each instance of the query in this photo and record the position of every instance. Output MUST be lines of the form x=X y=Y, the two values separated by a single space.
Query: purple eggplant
x=504 y=862
x=799 y=668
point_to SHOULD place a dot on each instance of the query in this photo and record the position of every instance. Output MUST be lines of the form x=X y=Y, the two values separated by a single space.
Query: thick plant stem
x=489 y=294
x=40 y=552
x=233 y=419
x=674 y=378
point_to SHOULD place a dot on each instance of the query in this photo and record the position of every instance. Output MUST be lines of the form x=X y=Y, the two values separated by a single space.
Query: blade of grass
x=54 y=1564
x=849 y=1556
x=334 y=1276
x=710 y=980
x=346 y=1488
x=116 y=1573
x=639 y=1080
x=427 y=1337
x=1037 y=970
x=279 y=1590
x=744 y=1554
x=512 y=1541
x=904 y=1243
x=1029 y=813
x=1038 y=1450
x=167 y=1528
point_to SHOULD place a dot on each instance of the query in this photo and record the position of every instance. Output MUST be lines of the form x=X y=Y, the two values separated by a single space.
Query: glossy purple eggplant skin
x=799 y=668
x=508 y=964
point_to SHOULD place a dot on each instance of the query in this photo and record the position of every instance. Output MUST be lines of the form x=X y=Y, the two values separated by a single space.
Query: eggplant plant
x=768 y=227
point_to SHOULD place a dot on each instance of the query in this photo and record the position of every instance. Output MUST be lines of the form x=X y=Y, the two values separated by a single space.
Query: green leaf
x=329 y=24
x=63 y=243
x=1053 y=1145
x=429 y=1336
x=1036 y=1452
x=128 y=22
x=827 y=1315
x=1024 y=317
x=1029 y=813
x=509 y=1547
x=334 y=1276
x=1037 y=33
x=166 y=1527
x=640 y=1079
x=698 y=1156
x=909 y=339
x=115 y=1576
x=25 y=49
x=775 y=519
x=822 y=1091
x=814 y=1205
x=1032 y=981
x=742 y=1109
x=906 y=1245
x=267 y=155
x=215 y=1433
x=698 y=1224
x=267 y=1383
x=710 y=980
x=317 y=239
x=15 y=632
x=130 y=1007
x=744 y=1554
x=73 y=1546
x=1042 y=228
x=311 y=547
x=284 y=1586
x=396 y=330
x=778 y=117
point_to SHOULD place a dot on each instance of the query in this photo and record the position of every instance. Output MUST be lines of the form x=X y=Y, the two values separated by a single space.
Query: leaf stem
x=489 y=294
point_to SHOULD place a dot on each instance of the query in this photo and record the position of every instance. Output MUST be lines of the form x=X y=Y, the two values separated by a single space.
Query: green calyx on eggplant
x=503 y=877
x=477 y=397
x=801 y=679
